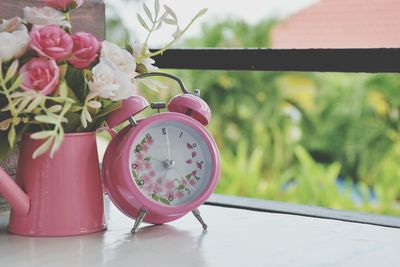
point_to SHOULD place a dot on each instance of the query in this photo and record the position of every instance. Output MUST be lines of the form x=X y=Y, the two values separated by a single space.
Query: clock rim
x=161 y=209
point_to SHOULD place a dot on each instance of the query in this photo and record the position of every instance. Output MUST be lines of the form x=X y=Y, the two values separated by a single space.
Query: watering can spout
x=17 y=198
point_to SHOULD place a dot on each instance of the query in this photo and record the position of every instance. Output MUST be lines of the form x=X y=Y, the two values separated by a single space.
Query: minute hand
x=168 y=145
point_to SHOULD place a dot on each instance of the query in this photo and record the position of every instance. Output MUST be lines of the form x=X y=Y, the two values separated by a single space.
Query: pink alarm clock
x=160 y=168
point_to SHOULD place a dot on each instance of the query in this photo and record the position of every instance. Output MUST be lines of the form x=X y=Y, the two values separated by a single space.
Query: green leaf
x=36 y=102
x=55 y=108
x=76 y=82
x=43 y=148
x=147 y=11
x=165 y=201
x=16 y=84
x=57 y=142
x=58 y=118
x=46 y=119
x=134 y=174
x=12 y=70
x=74 y=122
x=156 y=8
x=163 y=16
x=170 y=12
x=158 y=26
x=84 y=122
x=142 y=22
x=155 y=197
x=201 y=13
x=63 y=70
x=25 y=102
x=64 y=89
x=87 y=115
x=94 y=104
x=170 y=21
x=100 y=117
x=136 y=177
x=12 y=136
x=42 y=135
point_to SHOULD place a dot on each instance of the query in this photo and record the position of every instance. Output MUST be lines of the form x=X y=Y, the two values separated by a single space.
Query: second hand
x=183 y=179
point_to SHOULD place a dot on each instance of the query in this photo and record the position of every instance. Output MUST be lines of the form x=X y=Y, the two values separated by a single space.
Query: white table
x=235 y=238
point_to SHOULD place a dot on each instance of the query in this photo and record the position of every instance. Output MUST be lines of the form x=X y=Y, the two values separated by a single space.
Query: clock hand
x=168 y=145
x=183 y=179
x=152 y=158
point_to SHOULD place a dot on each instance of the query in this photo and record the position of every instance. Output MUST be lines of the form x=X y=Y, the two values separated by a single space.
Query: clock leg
x=196 y=214
x=138 y=221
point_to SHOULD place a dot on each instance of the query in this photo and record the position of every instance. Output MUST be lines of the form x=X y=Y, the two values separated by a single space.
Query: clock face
x=170 y=163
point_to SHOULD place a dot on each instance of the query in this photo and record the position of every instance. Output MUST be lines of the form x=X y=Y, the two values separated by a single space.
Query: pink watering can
x=59 y=196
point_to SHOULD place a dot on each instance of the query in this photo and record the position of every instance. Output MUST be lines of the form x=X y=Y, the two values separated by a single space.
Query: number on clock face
x=170 y=163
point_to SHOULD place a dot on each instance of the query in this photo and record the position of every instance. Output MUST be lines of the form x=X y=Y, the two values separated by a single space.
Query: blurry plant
x=349 y=126
x=289 y=136
x=232 y=32
x=309 y=182
x=242 y=163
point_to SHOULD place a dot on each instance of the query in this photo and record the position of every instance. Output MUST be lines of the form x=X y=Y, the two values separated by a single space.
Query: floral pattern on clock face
x=171 y=163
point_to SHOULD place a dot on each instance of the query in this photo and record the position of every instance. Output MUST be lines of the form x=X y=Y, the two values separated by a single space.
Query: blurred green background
x=325 y=139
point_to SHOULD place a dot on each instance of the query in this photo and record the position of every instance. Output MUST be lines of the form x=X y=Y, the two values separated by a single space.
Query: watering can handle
x=17 y=198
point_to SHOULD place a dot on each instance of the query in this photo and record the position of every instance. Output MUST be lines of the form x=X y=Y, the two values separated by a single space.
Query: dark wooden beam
x=324 y=60
x=90 y=17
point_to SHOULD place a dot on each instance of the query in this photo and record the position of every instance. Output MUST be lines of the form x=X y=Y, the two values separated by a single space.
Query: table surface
x=235 y=237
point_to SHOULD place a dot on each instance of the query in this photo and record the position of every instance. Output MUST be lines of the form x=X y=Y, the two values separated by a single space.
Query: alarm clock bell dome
x=191 y=105
x=130 y=107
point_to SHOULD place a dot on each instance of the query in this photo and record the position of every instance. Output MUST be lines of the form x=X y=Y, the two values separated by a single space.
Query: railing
x=335 y=60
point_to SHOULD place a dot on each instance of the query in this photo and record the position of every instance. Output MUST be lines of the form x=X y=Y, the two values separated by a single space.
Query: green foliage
x=289 y=136
x=233 y=33
x=349 y=123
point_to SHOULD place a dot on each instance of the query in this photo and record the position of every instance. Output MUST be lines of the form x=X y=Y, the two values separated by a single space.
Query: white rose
x=13 y=45
x=111 y=83
x=147 y=62
x=45 y=16
x=11 y=25
x=119 y=58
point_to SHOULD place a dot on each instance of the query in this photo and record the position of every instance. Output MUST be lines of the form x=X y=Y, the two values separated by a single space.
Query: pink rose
x=85 y=50
x=51 y=41
x=40 y=74
x=63 y=5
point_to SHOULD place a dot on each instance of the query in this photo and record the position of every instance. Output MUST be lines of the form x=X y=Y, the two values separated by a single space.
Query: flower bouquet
x=54 y=81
